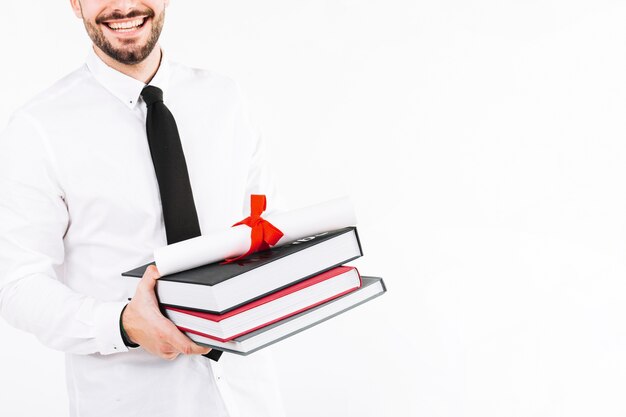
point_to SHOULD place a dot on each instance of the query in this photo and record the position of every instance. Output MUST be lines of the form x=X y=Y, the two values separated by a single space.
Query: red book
x=269 y=309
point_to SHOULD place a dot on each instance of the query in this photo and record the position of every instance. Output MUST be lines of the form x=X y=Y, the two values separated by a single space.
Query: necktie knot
x=151 y=94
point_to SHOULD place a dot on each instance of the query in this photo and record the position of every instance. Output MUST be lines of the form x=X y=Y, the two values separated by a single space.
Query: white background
x=484 y=145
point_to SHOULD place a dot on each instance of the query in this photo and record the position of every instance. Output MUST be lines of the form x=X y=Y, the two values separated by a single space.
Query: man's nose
x=123 y=6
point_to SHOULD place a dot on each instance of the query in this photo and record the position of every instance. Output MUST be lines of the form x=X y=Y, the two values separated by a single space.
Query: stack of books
x=244 y=306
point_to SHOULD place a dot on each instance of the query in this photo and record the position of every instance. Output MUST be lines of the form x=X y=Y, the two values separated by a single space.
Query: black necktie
x=179 y=210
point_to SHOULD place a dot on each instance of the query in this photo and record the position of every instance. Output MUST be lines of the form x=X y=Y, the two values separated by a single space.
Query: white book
x=218 y=288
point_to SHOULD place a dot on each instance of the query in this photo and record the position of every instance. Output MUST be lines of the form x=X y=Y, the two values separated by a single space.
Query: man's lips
x=125 y=25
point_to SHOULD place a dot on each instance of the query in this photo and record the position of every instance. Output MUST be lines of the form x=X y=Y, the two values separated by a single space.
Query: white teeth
x=131 y=24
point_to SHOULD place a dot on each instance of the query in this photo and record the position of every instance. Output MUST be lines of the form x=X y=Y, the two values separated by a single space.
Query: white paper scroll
x=235 y=241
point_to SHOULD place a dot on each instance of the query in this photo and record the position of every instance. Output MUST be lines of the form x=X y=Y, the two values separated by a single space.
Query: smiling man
x=87 y=193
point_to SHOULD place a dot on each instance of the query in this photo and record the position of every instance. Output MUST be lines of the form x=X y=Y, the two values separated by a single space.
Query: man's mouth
x=126 y=25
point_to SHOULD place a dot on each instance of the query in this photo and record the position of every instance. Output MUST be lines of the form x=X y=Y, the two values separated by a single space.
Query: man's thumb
x=149 y=278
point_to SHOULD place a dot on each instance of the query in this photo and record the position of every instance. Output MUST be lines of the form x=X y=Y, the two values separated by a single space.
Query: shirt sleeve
x=33 y=222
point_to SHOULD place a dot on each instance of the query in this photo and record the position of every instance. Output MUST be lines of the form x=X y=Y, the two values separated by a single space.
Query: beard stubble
x=127 y=53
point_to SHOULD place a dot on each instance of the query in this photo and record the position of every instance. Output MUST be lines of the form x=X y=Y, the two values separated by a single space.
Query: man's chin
x=126 y=51
x=127 y=57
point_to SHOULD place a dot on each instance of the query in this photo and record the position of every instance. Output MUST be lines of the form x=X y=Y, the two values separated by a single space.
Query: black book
x=217 y=288
x=244 y=345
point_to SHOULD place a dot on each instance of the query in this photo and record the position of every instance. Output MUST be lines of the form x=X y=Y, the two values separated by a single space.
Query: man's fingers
x=169 y=355
x=163 y=338
x=185 y=345
x=199 y=350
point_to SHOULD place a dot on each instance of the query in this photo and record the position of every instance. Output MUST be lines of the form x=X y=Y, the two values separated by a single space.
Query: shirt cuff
x=107 y=319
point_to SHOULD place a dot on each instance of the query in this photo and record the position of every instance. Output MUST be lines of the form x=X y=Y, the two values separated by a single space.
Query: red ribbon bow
x=263 y=233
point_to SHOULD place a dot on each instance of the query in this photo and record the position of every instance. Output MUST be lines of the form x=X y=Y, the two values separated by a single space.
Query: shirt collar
x=125 y=88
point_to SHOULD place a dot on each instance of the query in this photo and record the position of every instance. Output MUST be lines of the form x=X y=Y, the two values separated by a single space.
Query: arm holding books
x=34 y=219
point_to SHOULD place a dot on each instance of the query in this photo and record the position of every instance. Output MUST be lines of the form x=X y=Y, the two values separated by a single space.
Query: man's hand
x=144 y=324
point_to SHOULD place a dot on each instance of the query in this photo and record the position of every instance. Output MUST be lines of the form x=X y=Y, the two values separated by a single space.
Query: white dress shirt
x=80 y=204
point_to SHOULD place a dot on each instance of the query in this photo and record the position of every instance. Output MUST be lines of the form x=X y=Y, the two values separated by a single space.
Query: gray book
x=244 y=345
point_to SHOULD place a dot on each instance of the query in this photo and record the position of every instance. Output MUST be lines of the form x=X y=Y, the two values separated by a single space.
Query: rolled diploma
x=235 y=241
